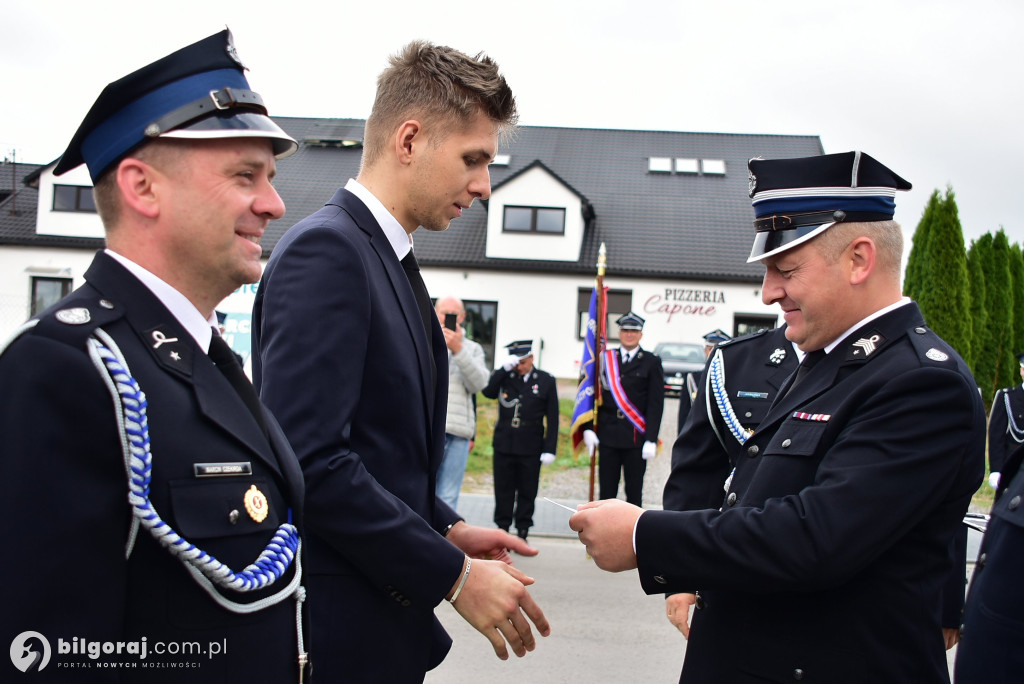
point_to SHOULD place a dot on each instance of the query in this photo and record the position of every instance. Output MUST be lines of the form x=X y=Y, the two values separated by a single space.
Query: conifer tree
x=978 y=312
x=913 y=279
x=1006 y=366
x=944 y=293
x=984 y=338
x=1017 y=278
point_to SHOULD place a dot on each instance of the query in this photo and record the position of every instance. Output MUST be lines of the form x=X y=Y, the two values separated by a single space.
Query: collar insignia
x=866 y=346
x=778 y=356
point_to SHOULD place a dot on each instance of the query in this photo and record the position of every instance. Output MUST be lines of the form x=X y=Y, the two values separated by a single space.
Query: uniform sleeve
x=998 y=423
x=493 y=386
x=63 y=493
x=655 y=401
x=551 y=416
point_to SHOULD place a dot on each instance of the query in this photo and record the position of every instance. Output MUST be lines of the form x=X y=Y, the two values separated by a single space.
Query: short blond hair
x=437 y=85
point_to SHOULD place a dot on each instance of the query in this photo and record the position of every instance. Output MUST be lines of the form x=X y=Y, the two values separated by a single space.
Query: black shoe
x=522 y=534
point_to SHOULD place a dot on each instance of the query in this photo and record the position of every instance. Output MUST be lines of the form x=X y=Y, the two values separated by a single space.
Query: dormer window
x=548 y=220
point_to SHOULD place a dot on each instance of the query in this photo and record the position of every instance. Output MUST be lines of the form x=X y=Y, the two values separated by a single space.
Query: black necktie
x=810 y=359
x=419 y=289
x=227 y=363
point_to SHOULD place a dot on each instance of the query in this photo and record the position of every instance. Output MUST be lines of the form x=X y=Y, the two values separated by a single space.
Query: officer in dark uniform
x=691 y=385
x=629 y=417
x=151 y=499
x=990 y=649
x=827 y=558
x=525 y=435
x=1005 y=426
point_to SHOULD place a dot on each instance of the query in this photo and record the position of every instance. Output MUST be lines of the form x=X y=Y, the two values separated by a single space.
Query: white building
x=671 y=208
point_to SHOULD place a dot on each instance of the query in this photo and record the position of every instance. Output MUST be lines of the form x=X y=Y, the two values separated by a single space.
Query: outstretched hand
x=606 y=529
x=488 y=544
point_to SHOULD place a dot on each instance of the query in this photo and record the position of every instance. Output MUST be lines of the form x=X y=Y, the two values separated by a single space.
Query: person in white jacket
x=467 y=375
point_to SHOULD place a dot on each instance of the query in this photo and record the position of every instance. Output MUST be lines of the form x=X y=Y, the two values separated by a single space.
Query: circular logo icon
x=24 y=653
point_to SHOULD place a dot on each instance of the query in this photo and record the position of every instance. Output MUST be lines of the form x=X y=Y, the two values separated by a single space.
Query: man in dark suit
x=525 y=436
x=1005 y=426
x=827 y=559
x=143 y=474
x=629 y=417
x=363 y=399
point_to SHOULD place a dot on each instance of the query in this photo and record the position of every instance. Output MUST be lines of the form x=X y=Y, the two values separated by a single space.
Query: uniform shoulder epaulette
x=745 y=338
x=931 y=348
x=74 y=320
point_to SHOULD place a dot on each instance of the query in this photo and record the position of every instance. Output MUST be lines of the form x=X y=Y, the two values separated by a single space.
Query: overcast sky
x=932 y=88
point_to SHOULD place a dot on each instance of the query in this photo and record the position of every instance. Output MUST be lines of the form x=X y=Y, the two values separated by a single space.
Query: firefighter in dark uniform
x=629 y=417
x=1005 y=426
x=525 y=436
x=827 y=558
x=691 y=385
x=151 y=498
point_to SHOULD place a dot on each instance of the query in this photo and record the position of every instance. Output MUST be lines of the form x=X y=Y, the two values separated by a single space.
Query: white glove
x=510 y=363
x=547 y=459
x=591 y=440
x=993 y=480
x=649 y=450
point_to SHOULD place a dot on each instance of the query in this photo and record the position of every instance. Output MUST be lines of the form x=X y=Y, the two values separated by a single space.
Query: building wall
x=542 y=307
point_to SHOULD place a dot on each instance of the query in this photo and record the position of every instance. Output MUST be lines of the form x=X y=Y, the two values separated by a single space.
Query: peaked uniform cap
x=630 y=321
x=198 y=92
x=717 y=336
x=797 y=199
x=520 y=348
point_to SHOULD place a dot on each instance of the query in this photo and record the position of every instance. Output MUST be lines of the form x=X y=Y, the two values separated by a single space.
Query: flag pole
x=599 y=344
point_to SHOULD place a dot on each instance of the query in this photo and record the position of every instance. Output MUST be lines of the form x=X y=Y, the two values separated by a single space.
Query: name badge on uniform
x=222 y=469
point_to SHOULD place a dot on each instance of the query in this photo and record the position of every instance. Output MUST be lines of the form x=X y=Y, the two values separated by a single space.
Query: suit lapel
x=400 y=285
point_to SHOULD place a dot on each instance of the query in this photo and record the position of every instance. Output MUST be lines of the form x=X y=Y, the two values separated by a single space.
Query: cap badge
x=232 y=52
x=778 y=356
x=936 y=355
x=751 y=183
x=867 y=345
x=256 y=504
x=76 y=316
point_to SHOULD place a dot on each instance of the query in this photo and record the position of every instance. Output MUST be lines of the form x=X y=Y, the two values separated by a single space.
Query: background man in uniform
x=629 y=418
x=1005 y=426
x=828 y=557
x=363 y=400
x=184 y=192
x=525 y=436
x=467 y=375
x=688 y=395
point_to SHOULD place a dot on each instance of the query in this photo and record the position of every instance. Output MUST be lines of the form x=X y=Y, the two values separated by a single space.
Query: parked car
x=677 y=360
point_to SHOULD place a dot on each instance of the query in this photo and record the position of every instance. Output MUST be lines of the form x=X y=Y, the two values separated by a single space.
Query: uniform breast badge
x=256 y=504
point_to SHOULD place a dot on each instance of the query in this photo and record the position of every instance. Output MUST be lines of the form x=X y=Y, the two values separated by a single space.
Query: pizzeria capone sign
x=683 y=301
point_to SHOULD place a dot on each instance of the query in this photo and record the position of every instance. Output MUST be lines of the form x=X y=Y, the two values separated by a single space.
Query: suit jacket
x=341 y=357
x=534 y=401
x=754 y=368
x=644 y=383
x=62 y=477
x=989 y=651
x=1006 y=427
x=830 y=552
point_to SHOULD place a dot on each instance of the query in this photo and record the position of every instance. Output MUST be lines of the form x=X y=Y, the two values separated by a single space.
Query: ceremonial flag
x=589 y=389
